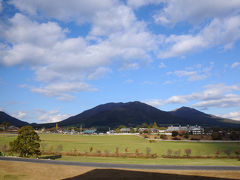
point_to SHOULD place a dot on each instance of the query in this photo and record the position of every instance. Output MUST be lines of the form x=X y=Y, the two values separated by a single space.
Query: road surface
x=124 y=166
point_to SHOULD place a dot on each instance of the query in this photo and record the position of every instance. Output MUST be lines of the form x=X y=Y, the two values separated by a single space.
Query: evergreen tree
x=27 y=143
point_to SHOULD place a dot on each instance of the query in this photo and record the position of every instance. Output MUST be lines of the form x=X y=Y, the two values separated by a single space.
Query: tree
x=174 y=133
x=27 y=143
x=155 y=125
x=56 y=126
x=5 y=125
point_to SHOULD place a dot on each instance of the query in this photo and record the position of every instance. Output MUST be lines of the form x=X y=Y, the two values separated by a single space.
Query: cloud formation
x=215 y=95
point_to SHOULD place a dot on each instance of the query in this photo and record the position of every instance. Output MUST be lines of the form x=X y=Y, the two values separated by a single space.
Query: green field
x=109 y=143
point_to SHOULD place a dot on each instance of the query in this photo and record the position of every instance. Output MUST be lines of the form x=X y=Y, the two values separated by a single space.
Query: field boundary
x=124 y=166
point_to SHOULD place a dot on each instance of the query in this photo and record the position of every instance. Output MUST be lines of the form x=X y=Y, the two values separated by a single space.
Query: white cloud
x=193 y=73
x=232 y=115
x=216 y=95
x=56 y=58
x=176 y=100
x=41 y=116
x=51 y=116
x=195 y=12
x=128 y=81
x=98 y=73
x=155 y=102
x=139 y=3
x=219 y=32
x=235 y=64
x=162 y=65
x=65 y=10
x=62 y=89
x=20 y=115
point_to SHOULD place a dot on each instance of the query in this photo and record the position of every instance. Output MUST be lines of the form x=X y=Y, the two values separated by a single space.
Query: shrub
x=117 y=151
x=188 y=152
x=137 y=151
x=176 y=138
x=228 y=151
x=174 y=133
x=237 y=152
x=218 y=152
x=152 y=141
x=4 y=148
x=169 y=152
x=186 y=136
x=216 y=136
x=106 y=152
x=1 y=153
x=59 y=148
x=43 y=146
x=177 y=153
x=148 y=150
x=91 y=149
x=163 y=136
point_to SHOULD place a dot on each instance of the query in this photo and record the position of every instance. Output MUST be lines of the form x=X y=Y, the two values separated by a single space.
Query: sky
x=61 y=57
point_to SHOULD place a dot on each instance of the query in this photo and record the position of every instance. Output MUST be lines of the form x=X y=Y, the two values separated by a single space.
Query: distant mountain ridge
x=13 y=121
x=135 y=113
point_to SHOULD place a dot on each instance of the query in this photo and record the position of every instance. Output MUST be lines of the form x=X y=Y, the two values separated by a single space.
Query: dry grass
x=24 y=170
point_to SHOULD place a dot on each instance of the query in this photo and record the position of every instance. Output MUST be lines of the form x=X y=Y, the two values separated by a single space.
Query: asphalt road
x=124 y=166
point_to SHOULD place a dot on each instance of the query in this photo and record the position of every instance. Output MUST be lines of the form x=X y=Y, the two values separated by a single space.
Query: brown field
x=25 y=170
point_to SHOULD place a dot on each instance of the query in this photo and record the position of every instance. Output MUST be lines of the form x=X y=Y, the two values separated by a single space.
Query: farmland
x=110 y=143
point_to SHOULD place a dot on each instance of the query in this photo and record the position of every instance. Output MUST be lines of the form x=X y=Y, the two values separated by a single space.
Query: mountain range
x=132 y=114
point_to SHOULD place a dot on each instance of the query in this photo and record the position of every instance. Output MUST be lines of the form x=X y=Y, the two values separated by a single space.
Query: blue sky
x=60 y=58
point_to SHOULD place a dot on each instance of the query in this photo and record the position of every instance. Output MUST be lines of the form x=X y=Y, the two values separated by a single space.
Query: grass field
x=29 y=171
x=102 y=143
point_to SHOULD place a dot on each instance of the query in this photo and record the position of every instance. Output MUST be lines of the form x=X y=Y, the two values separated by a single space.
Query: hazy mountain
x=13 y=121
x=132 y=114
x=135 y=113
x=115 y=114
x=193 y=116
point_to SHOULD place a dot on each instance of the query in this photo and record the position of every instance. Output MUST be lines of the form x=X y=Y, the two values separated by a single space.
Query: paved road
x=125 y=166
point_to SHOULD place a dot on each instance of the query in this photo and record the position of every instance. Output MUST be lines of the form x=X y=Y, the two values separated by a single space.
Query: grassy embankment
x=102 y=143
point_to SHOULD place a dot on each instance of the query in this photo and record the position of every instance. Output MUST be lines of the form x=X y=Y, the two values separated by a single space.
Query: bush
x=176 y=138
x=148 y=150
x=237 y=152
x=177 y=153
x=216 y=136
x=90 y=149
x=43 y=146
x=59 y=148
x=169 y=152
x=228 y=151
x=117 y=151
x=186 y=136
x=218 y=152
x=1 y=153
x=174 y=133
x=188 y=152
x=163 y=136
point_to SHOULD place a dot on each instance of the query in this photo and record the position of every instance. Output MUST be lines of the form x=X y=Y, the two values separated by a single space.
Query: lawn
x=110 y=143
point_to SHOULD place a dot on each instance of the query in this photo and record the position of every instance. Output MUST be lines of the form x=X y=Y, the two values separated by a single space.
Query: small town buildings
x=190 y=129
x=90 y=131
x=125 y=130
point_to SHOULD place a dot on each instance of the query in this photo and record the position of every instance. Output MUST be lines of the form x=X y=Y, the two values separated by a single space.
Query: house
x=90 y=131
x=125 y=130
x=12 y=129
x=190 y=129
